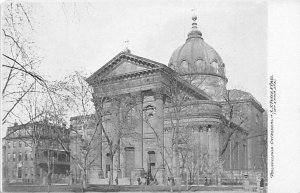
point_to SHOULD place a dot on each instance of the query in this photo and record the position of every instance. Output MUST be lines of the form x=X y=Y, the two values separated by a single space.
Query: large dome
x=195 y=61
x=197 y=57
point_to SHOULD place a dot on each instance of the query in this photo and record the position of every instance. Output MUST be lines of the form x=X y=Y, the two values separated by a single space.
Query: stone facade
x=143 y=104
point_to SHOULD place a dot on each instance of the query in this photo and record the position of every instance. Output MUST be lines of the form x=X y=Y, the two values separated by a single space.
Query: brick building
x=31 y=148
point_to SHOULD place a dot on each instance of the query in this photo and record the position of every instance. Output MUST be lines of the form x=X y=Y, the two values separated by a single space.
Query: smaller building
x=84 y=147
x=34 y=150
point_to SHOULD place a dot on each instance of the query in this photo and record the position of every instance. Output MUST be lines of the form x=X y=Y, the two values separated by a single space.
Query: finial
x=126 y=44
x=194 y=18
x=194 y=33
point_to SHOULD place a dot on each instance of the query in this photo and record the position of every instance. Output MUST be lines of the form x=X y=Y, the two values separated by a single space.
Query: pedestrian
x=139 y=181
x=117 y=180
x=205 y=181
x=155 y=181
x=262 y=184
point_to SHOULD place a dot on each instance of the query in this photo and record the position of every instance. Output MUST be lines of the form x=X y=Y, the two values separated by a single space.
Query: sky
x=85 y=35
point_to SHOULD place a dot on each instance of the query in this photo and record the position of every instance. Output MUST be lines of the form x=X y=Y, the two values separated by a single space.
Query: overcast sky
x=84 y=36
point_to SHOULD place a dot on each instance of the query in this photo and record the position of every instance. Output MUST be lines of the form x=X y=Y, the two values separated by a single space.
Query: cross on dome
x=126 y=45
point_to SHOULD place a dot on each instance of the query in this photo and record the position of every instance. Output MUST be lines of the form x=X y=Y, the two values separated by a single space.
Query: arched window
x=184 y=66
x=200 y=64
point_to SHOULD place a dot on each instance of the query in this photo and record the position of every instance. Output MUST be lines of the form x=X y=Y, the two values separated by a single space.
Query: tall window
x=8 y=144
x=25 y=156
x=20 y=143
x=20 y=156
x=14 y=144
x=19 y=172
x=14 y=157
x=8 y=157
x=25 y=172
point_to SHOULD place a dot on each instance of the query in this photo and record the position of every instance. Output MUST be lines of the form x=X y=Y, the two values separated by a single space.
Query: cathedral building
x=173 y=119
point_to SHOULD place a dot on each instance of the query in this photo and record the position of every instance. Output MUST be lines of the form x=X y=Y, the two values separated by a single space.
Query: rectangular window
x=25 y=156
x=14 y=144
x=20 y=156
x=8 y=157
x=8 y=144
x=19 y=172
x=14 y=157
x=20 y=143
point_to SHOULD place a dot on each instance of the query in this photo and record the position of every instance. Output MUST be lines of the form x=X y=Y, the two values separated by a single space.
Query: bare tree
x=117 y=123
x=110 y=123
x=20 y=61
x=74 y=95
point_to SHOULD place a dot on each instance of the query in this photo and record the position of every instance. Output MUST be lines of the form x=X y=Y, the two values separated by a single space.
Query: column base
x=101 y=174
x=161 y=176
x=94 y=175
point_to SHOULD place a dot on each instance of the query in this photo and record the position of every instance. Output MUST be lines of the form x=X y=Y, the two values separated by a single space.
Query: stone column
x=119 y=173
x=214 y=143
x=138 y=149
x=159 y=128
x=98 y=106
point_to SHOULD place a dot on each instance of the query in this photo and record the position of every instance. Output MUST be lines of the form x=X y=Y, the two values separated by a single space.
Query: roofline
x=251 y=100
x=177 y=77
x=160 y=67
x=125 y=54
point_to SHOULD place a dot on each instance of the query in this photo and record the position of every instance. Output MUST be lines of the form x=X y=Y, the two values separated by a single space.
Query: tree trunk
x=49 y=173
x=111 y=173
x=34 y=156
x=84 y=176
x=177 y=174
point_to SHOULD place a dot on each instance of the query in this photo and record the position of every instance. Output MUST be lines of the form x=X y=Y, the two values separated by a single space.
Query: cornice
x=252 y=101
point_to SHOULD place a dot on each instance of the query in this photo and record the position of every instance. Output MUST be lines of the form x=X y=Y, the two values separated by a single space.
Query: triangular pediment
x=124 y=63
x=125 y=67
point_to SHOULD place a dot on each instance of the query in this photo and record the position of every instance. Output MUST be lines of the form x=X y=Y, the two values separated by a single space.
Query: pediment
x=125 y=67
x=124 y=63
